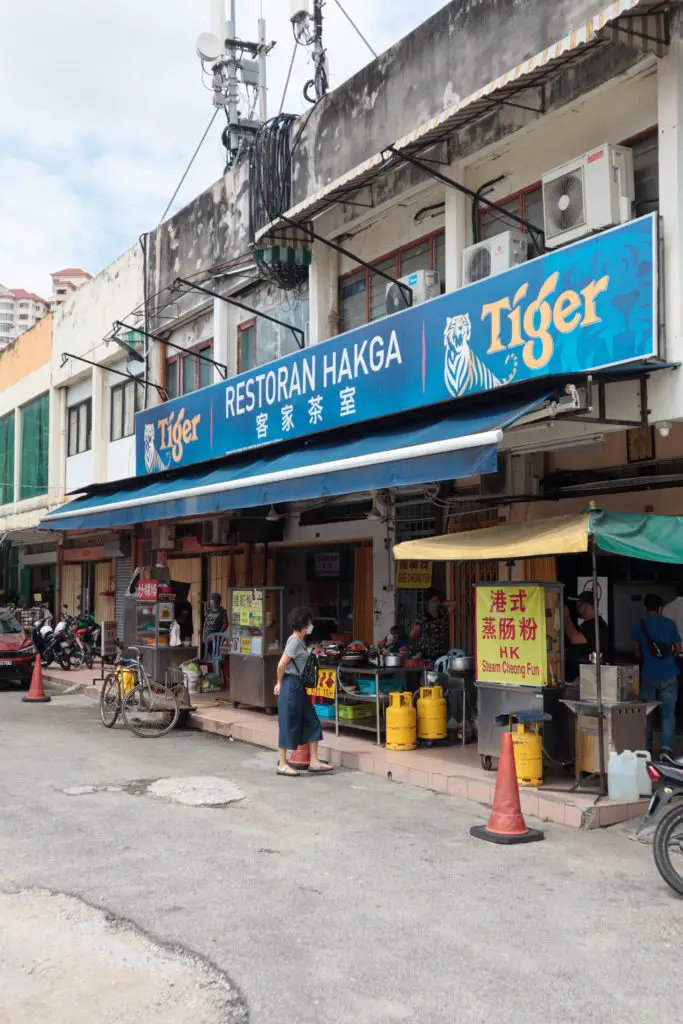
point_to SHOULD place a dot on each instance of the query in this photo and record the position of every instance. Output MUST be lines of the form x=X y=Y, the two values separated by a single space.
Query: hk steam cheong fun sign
x=588 y=306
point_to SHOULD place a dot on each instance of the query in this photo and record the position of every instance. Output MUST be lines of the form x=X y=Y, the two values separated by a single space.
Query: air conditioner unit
x=424 y=283
x=493 y=256
x=518 y=476
x=163 y=538
x=216 y=532
x=593 y=192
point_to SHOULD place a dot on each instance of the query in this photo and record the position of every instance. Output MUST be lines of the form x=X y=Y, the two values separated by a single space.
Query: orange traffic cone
x=506 y=824
x=36 y=693
x=301 y=757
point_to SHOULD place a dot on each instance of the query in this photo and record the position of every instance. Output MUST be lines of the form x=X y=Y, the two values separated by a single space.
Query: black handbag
x=657 y=648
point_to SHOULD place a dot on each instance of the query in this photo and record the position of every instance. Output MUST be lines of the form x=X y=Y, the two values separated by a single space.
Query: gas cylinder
x=526 y=743
x=401 y=722
x=432 y=714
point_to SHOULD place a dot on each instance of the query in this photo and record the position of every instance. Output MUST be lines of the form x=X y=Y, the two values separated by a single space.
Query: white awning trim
x=642 y=22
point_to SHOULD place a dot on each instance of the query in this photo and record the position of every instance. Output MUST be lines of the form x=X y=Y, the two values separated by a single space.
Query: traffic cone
x=36 y=693
x=301 y=757
x=506 y=824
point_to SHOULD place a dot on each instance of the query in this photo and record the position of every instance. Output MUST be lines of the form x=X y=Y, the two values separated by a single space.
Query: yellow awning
x=562 y=535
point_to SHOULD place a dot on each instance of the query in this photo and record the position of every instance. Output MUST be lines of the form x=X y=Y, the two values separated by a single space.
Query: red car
x=17 y=652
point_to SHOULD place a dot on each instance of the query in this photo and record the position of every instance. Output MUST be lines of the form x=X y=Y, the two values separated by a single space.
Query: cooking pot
x=455 y=661
x=393 y=660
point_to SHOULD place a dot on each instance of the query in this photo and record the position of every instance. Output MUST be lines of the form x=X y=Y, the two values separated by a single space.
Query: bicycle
x=148 y=709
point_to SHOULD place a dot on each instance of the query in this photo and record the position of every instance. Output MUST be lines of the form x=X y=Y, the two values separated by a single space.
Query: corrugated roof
x=642 y=22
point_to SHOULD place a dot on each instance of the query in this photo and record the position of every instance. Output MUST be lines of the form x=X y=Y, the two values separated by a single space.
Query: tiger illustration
x=464 y=372
x=153 y=461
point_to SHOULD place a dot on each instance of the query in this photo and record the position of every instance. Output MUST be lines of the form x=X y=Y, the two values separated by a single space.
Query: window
x=646 y=174
x=261 y=341
x=61 y=291
x=172 y=379
x=362 y=294
x=189 y=373
x=80 y=428
x=7 y=459
x=35 y=439
x=23 y=316
x=126 y=400
x=246 y=356
x=527 y=204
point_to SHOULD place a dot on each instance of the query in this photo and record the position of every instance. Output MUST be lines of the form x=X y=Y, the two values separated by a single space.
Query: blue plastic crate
x=324 y=710
x=393 y=684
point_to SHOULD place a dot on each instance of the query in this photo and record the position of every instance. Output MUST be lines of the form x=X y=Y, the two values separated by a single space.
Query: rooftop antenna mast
x=238 y=69
x=307 y=21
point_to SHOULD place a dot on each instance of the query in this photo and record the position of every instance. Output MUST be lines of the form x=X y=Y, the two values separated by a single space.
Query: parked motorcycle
x=666 y=811
x=49 y=643
x=88 y=634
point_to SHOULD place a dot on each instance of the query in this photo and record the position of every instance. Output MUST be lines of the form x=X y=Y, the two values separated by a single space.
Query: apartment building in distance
x=65 y=283
x=19 y=311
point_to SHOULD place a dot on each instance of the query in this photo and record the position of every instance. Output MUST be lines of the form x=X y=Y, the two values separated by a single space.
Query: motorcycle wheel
x=46 y=659
x=64 y=661
x=668 y=840
x=89 y=659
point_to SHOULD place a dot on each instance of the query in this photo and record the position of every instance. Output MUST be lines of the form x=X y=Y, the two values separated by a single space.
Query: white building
x=19 y=310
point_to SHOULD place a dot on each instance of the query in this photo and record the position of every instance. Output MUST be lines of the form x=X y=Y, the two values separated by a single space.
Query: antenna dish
x=209 y=46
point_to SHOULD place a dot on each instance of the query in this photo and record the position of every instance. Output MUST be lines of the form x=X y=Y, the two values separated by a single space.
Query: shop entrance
x=624 y=585
x=189 y=570
x=335 y=581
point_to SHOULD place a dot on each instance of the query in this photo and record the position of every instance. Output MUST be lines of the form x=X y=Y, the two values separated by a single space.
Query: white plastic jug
x=644 y=780
x=622 y=777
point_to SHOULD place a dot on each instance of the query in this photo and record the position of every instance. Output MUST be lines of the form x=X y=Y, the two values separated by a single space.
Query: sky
x=103 y=105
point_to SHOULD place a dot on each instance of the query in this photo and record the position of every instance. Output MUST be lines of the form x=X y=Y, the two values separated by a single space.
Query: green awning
x=653 y=538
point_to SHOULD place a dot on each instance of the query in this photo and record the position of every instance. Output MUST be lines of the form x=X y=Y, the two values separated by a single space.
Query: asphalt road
x=342 y=899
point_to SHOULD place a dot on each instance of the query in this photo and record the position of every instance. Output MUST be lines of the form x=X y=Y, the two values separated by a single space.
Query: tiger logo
x=464 y=372
x=153 y=461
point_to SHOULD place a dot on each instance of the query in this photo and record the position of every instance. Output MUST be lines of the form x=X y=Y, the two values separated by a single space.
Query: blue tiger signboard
x=585 y=307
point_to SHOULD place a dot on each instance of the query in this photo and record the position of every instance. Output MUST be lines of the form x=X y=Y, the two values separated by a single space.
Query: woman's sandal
x=322 y=768
x=288 y=772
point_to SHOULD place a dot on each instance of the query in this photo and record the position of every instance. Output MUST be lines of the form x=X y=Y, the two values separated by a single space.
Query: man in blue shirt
x=657 y=644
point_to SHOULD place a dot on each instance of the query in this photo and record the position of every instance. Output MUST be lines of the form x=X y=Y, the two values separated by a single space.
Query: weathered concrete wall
x=209 y=231
x=462 y=47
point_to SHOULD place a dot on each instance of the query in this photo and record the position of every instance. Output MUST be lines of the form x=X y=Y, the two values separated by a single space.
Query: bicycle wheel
x=667 y=848
x=150 y=710
x=110 y=703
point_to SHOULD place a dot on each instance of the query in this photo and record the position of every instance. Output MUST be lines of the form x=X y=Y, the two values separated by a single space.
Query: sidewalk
x=450 y=770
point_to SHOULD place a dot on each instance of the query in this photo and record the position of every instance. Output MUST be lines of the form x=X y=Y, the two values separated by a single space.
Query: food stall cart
x=256 y=645
x=647 y=537
x=520 y=663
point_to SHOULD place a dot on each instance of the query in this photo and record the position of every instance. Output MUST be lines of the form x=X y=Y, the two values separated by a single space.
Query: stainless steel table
x=380 y=700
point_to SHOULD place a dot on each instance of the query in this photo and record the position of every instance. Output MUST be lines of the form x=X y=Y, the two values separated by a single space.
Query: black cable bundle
x=270 y=191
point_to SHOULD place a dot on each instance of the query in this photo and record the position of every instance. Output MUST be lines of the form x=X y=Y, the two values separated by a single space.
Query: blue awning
x=447 y=448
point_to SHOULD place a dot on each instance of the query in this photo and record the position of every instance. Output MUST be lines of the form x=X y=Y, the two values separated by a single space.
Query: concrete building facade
x=397 y=169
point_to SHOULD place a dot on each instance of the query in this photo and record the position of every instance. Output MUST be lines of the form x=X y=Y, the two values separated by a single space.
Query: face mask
x=435 y=607
x=310 y=628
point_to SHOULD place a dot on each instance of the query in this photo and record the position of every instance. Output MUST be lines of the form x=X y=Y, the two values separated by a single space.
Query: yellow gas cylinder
x=401 y=722
x=526 y=743
x=432 y=714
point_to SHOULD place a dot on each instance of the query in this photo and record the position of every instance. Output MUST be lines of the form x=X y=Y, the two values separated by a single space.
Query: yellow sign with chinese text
x=511 y=635
x=414 y=575
x=327 y=684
